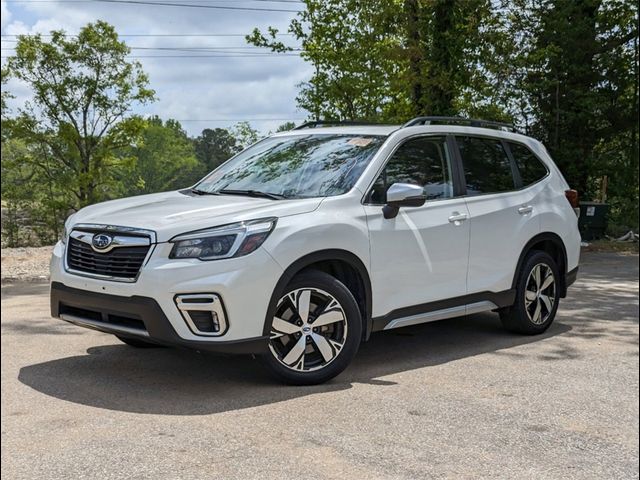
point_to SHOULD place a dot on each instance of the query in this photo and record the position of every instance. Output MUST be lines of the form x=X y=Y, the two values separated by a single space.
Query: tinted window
x=530 y=167
x=297 y=166
x=487 y=168
x=422 y=161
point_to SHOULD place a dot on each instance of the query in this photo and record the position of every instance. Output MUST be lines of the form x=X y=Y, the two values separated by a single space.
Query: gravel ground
x=25 y=264
x=457 y=399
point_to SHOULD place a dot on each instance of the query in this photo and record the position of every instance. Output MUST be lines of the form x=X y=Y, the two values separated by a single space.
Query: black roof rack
x=454 y=120
x=320 y=123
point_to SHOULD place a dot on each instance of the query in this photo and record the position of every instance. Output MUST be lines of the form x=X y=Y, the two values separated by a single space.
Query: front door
x=421 y=255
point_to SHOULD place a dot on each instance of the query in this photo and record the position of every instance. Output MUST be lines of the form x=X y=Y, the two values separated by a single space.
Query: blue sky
x=200 y=92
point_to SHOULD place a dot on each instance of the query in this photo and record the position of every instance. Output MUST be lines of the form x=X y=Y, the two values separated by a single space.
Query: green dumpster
x=593 y=220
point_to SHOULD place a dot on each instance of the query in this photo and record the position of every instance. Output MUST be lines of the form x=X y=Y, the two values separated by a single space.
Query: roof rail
x=470 y=121
x=320 y=123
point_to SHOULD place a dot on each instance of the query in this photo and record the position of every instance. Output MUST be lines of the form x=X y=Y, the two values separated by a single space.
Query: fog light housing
x=204 y=313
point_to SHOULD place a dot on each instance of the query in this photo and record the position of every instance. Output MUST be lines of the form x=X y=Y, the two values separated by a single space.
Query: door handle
x=457 y=218
x=525 y=209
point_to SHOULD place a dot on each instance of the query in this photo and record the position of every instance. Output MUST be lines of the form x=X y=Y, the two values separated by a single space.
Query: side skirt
x=440 y=310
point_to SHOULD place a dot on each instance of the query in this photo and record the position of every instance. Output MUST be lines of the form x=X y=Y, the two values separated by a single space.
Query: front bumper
x=244 y=285
x=134 y=317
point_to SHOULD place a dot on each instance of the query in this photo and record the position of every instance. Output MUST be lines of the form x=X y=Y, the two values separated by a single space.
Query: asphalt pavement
x=456 y=399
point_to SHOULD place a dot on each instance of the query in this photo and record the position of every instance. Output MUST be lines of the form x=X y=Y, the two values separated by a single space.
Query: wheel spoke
x=536 y=276
x=296 y=352
x=530 y=296
x=302 y=305
x=547 y=302
x=537 y=313
x=548 y=281
x=281 y=327
x=326 y=318
x=323 y=347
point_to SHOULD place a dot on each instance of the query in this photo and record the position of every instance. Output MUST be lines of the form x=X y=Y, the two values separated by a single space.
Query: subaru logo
x=101 y=241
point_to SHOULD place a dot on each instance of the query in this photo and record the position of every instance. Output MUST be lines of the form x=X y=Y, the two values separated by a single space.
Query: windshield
x=299 y=166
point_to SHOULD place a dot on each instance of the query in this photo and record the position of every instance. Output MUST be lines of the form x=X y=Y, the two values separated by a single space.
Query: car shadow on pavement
x=181 y=382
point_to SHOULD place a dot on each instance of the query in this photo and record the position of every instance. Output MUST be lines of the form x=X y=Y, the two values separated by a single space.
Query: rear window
x=487 y=167
x=530 y=167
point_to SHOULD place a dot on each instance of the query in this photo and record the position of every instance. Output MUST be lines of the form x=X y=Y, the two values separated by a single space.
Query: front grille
x=121 y=262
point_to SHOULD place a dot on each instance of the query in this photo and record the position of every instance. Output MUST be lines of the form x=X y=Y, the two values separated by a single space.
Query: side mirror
x=403 y=195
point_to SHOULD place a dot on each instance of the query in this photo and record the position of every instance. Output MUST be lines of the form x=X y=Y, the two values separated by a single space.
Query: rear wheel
x=134 y=342
x=315 y=331
x=536 y=296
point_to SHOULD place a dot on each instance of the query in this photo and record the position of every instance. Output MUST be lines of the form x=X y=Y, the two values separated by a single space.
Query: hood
x=172 y=213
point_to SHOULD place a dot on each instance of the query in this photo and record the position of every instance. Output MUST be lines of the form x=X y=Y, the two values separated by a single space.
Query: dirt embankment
x=25 y=264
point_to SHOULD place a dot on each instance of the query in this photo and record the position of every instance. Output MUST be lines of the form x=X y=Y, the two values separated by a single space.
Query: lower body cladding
x=142 y=318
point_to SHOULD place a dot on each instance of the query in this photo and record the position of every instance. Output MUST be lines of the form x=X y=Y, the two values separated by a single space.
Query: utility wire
x=163 y=4
x=147 y=35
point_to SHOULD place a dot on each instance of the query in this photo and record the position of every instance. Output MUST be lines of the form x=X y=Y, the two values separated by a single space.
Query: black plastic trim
x=541 y=237
x=571 y=277
x=502 y=299
x=150 y=313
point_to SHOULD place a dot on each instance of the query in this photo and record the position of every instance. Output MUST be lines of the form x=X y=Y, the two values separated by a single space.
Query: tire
x=134 y=342
x=535 y=308
x=312 y=350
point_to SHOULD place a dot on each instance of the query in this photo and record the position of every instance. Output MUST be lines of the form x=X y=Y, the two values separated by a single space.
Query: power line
x=148 y=35
x=249 y=55
x=238 y=49
x=162 y=4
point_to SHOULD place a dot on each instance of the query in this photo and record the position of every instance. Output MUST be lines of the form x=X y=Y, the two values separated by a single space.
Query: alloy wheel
x=308 y=331
x=540 y=294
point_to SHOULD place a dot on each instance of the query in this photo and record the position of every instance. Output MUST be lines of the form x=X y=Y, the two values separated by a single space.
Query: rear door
x=419 y=256
x=502 y=214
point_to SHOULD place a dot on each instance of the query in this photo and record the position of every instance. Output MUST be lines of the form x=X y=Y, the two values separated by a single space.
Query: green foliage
x=285 y=127
x=165 y=159
x=83 y=87
x=215 y=146
x=244 y=134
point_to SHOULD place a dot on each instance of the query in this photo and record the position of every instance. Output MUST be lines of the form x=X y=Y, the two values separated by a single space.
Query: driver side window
x=423 y=161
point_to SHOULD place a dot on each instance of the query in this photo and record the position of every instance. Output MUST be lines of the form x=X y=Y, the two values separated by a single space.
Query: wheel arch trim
x=319 y=256
x=544 y=237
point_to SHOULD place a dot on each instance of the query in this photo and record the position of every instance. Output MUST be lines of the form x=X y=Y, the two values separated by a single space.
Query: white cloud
x=189 y=89
x=5 y=14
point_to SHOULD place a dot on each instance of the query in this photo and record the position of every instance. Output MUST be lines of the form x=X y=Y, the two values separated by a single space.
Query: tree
x=83 y=90
x=581 y=79
x=244 y=134
x=353 y=46
x=165 y=159
x=215 y=146
x=285 y=127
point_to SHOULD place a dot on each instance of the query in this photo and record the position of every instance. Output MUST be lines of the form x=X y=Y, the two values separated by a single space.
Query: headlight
x=228 y=241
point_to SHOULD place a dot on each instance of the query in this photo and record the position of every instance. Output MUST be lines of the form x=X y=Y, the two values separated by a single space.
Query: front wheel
x=537 y=296
x=315 y=332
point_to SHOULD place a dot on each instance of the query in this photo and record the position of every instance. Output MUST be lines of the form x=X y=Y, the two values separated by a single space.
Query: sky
x=207 y=92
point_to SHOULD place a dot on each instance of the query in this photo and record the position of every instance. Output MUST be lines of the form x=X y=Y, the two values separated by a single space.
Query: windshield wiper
x=253 y=193
x=202 y=192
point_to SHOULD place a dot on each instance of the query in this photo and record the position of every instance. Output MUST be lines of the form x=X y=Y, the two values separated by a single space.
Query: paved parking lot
x=454 y=399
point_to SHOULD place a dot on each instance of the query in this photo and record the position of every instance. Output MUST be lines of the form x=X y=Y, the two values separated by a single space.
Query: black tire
x=348 y=330
x=519 y=318
x=134 y=342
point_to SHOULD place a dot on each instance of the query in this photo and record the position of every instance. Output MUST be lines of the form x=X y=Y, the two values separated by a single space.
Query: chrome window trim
x=150 y=240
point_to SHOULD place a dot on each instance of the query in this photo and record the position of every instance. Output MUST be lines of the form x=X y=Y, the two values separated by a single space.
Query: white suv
x=301 y=246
